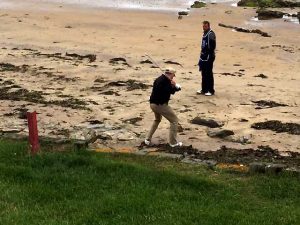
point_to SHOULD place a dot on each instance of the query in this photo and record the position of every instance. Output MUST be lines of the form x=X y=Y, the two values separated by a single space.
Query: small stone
x=125 y=137
x=275 y=168
x=257 y=167
x=183 y=13
x=79 y=145
x=206 y=122
x=219 y=133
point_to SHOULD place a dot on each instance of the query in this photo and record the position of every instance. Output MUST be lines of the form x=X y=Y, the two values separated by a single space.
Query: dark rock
x=206 y=122
x=94 y=122
x=264 y=14
x=257 y=167
x=220 y=133
x=173 y=63
x=239 y=29
x=119 y=60
x=248 y=3
x=261 y=76
x=198 y=4
x=81 y=145
x=147 y=61
x=275 y=168
x=183 y=13
x=278 y=126
x=133 y=121
x=268 y=104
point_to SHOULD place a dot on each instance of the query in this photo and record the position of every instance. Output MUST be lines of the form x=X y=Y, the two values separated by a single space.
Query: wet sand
x=72 y=93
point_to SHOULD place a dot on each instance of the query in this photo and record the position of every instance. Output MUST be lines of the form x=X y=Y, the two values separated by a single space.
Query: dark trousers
x=207 y=77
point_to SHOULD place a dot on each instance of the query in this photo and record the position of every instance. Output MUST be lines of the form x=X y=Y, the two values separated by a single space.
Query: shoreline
x=77 y=6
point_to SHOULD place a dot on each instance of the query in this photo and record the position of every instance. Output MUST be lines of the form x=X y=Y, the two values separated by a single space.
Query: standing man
x=163 y=87
x=207 y=59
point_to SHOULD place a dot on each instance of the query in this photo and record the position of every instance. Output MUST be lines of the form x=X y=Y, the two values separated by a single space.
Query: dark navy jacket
x=208 y=47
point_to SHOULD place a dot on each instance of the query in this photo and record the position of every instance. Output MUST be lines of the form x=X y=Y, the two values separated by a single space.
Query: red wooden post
x=33 y=132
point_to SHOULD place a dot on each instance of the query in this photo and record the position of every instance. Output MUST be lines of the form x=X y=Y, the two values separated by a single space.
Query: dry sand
x=28 y=35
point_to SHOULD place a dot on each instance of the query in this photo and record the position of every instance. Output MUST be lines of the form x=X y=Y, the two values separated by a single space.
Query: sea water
x=173 y=5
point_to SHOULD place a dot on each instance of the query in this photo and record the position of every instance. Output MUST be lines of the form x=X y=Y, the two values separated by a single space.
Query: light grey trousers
x=167 y=112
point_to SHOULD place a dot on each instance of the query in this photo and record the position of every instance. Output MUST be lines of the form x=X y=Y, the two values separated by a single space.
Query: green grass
x=80 y=187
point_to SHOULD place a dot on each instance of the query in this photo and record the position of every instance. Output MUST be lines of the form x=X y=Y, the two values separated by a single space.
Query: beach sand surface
x=72 y=94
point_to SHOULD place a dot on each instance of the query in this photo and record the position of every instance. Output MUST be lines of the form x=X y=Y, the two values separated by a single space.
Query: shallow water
x=171 y=5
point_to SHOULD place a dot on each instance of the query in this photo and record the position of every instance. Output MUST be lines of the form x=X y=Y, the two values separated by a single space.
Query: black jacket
x=162 y=90
x=208 y=46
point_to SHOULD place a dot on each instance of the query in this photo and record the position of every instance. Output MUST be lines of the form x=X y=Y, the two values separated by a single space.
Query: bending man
x=163 y=87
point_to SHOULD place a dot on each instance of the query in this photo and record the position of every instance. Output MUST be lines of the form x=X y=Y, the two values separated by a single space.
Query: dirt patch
x=278 y=127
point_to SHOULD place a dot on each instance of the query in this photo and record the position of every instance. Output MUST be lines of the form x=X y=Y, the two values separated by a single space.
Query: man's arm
x=211 y=43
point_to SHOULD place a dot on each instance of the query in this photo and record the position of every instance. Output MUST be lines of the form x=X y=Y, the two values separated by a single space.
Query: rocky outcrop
x=198 y=4
x=270 y=4
x=265 y=14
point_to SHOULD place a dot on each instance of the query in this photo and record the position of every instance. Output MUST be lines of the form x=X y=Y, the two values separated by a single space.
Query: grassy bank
x=79 y=187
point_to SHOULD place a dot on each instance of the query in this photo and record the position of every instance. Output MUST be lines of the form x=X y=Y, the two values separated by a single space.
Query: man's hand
x=173 y=82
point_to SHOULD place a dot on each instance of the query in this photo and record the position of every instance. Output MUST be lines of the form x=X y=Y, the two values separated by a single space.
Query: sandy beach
x=85 y=70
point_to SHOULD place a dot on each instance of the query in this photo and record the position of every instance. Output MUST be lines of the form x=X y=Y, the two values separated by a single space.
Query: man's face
x=206 y=27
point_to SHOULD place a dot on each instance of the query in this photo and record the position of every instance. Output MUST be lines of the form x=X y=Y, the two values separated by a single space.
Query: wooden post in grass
x=33 y=132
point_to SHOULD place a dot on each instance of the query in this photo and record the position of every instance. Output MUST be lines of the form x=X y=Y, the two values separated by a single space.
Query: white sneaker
x=208 y=94
x=199 y=92
x=178 y=144
x=147 y=142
